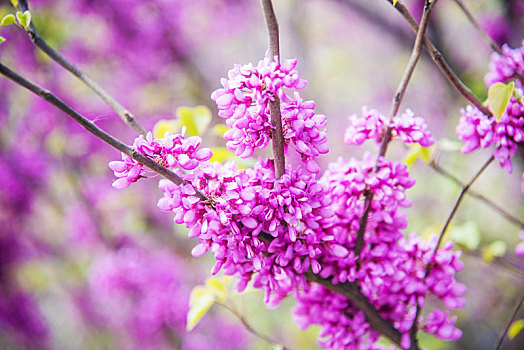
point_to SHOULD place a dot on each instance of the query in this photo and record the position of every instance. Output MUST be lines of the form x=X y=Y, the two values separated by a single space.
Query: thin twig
x=514 y=220
x=95 y=130
x=277 y=136
x=122 y=112
x=397 y=99
x=509 y=323
x=494 y=46
x=414 y=329
x=250 y=328
x=441 y=63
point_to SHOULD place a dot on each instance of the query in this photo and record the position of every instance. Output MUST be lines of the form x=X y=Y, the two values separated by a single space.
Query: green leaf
x=196 y=120
x=515 y=328
x=7 y=20
x=221 y=154
x=498 y=98
x=394 y=2
x=220 y=129
x=416 y=152
x=200 y=302
x=14 y=3
x=164 y=125
x=493 y=250
x=467 y=235
x=24 y=18
x=2 y=39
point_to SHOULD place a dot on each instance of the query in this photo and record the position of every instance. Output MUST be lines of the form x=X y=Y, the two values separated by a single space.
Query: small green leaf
x=394 y=2
x=220 y=129
x=221 y=154
x=164 y=125
x=498 y=98
x=200 y=302
x=416 y=152
x=14 y=3
x=24 y=18
x=467 y=235
x=515 y=328
x=196 y=120
x=2 y=39
x=493 y=250
x=7 y=20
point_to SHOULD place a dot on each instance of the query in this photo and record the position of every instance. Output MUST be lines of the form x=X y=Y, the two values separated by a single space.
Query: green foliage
x=515 y=328
x=493 y=250
x=417 y=152
x=467 y=235
x=2 y=39
x=498 y=98
x=24 y=18
x=7 y=20
x=203 y=297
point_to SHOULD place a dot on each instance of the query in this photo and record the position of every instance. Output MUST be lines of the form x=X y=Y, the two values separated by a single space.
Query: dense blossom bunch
x=507 y=66
x=372 y=125
x=171 y=150
x=392 y=268
x=244 y=100
x=272 y=231
x=477 y=130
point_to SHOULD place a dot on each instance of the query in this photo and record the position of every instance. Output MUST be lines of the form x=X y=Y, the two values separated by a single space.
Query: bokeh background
x=84 y=266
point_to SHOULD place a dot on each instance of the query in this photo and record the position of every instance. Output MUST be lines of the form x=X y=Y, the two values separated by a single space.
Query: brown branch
x=514 y=220
x=122 y=112
x=277 y=136
x=250 y=329
x=509 y=323
x=95 y=130
x=494 y=46
x=397 y=99
x=414 y=329
x=441 y=63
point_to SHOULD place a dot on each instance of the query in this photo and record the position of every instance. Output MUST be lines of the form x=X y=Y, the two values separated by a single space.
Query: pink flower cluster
x=372 y=125
x=272 y=231
x=244 y=100
x=392 y=268
x=477 y=130
x=171 y=150
x=507 y=66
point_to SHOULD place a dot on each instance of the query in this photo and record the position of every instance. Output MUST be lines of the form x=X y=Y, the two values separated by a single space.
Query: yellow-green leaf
x=196 y=120
x=14 y=3
x=394 y=2
x=416 y=152
x=218 y=288
x=467 y=235
x=515 y=328
x=24 y=18
x=2 y=39
x=164 y=125
x=200 y=301
x=498 y=98
x=7 y=20
x=220 y=129
x=493 y=250
x=221 y=154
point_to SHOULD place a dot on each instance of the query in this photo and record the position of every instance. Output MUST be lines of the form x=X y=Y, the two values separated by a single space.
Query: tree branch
x=494 y=46
x=441 y=63
x=465 y=189
x=277 y=136
x=397 y=99
x=95 y=130
x=514 y=220
x=509 y=323
x=122 y=112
